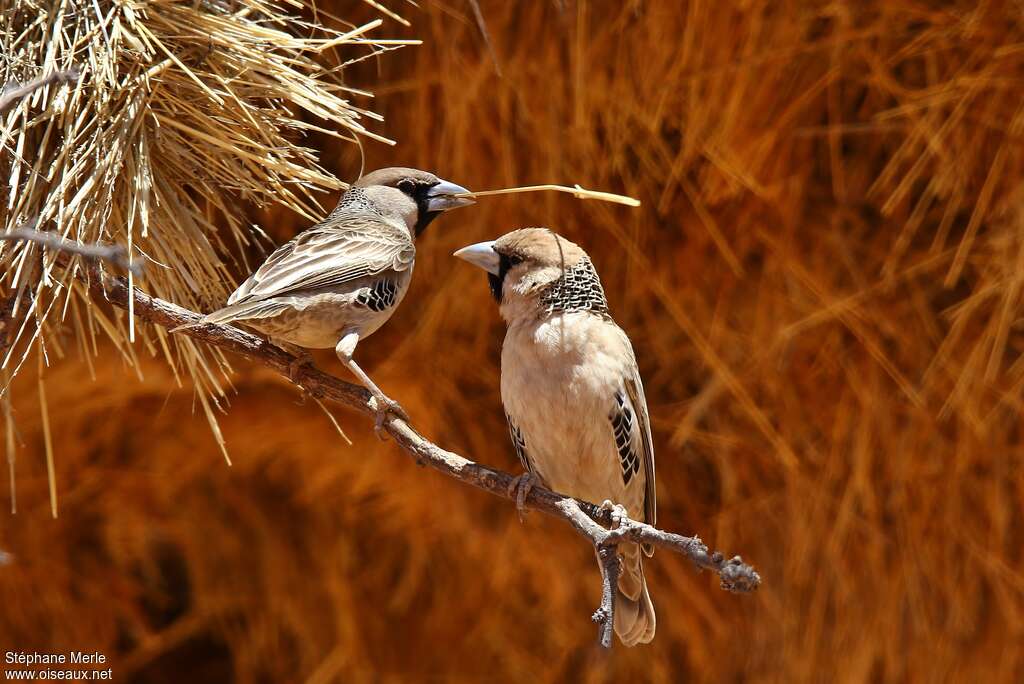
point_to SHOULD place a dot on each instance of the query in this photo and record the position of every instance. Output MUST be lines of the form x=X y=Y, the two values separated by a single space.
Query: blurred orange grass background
x=822 y=286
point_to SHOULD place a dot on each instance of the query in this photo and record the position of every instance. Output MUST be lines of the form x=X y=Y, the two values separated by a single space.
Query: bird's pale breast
x=559 y=377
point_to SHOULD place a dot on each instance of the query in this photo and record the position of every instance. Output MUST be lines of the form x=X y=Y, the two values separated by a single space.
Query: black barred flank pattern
x=379 y=297
x=622 y=425
x=518 y=442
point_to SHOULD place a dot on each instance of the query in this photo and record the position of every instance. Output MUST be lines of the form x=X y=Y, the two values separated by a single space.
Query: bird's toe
x=395 y=409
x=616 y=512
x=385 y=406
x=296 y=365
x=520 y=488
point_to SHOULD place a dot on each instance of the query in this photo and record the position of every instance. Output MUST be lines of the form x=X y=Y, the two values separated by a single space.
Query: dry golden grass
x=183 y=110
x=822 y=284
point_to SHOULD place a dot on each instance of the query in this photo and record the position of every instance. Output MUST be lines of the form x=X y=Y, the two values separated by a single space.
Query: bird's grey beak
x=441 y=197
x=482 y=254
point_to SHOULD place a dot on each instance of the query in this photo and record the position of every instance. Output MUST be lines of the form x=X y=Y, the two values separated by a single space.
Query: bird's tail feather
x=634 y=612
x=238 y=312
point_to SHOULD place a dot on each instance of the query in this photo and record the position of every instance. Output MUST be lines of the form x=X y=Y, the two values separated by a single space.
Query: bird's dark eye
x=407 y=186
x=514 y=260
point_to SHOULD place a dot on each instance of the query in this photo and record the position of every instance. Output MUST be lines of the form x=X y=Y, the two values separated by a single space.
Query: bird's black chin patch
x=495 y=282
x=425 y=218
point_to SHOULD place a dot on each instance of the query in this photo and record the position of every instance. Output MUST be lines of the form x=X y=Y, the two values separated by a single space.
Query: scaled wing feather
x=328 y=256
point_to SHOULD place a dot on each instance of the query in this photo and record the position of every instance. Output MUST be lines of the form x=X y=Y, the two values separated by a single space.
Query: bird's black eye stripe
x=407 y=186
x=505 y=263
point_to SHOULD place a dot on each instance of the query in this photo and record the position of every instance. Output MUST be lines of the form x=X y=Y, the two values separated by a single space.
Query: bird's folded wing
x=519 y=443
x=642 y=434
x=329 y=255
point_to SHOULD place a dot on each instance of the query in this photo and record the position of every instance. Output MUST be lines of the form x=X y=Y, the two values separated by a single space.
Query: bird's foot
x=520 y=488
x=382 y=406
x=616 y=512
x=302 y=359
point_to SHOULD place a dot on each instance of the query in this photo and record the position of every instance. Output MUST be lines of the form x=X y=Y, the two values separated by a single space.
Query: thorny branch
x=12 y=91
x=589 y=520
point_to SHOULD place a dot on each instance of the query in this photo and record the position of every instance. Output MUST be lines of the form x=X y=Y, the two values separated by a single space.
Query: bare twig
x=12 y=92
x=115 y=254
x=589 y=520
x=604 y=616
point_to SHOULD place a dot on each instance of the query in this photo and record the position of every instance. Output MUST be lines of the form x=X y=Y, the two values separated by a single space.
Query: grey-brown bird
x=572 y=393
x=339 y=281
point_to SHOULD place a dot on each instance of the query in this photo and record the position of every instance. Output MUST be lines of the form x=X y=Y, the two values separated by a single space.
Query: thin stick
x=604 y=616
x=5 y=400
x=51 y=470
x=115 y=254
x=576 y=191
x=12 y=92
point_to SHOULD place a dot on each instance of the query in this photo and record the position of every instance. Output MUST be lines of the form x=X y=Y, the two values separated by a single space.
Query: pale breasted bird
x=336 y=283
x=572 y=393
